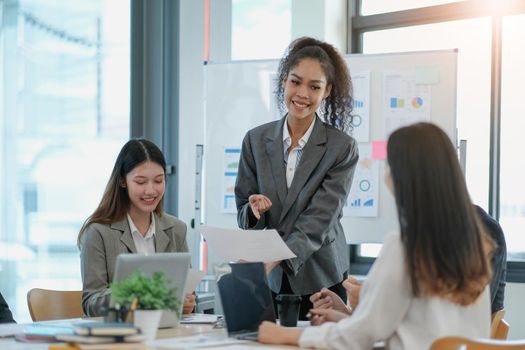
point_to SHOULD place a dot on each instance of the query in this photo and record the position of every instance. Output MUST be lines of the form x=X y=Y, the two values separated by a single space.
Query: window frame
x=359 y=24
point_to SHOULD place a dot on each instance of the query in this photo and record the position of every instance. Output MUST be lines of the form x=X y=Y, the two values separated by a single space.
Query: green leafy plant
x=152 y=292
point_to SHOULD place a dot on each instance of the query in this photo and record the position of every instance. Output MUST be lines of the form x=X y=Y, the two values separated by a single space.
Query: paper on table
x=192 y=280
x=199 y=319
x=194 y=341
x=248 y=245
x=10 y=329
x=252 y=345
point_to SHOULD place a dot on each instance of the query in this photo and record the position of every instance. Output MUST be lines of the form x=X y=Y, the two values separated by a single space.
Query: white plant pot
x=148 y=322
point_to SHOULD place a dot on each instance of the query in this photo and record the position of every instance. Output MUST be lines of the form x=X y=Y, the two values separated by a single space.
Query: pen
x=131 y=310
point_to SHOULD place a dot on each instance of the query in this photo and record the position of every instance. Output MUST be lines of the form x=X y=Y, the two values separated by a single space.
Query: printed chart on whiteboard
x=230 y=169
x=405 y=101
x=363 y=199
x=361 y=112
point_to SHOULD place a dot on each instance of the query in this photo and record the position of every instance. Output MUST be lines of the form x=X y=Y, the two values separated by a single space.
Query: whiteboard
x=239 y=96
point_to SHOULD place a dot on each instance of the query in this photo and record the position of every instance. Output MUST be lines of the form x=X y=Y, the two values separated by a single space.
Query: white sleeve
x=383 y=303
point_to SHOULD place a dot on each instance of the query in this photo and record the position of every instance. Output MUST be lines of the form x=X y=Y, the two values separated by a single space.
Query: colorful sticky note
x=378 y=150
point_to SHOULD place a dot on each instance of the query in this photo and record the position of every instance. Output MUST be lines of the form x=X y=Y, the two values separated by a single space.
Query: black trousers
x=306 y=304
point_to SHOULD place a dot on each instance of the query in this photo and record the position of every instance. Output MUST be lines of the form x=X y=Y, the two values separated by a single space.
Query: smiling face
x=305 y=87
x=145 y=185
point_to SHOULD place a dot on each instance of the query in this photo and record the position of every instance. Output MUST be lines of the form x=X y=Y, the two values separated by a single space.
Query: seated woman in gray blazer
x=295 y=173
x=129 y=219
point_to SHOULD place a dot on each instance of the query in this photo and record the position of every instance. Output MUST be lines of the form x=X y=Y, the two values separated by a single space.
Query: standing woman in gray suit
x=295 y=174
x=129 y=219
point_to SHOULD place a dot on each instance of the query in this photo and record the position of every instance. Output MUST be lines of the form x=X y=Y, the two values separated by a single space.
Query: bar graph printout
x=229 y=173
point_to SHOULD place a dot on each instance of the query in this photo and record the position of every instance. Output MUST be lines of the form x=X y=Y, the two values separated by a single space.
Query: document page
x=247 y=245
x=192 y=280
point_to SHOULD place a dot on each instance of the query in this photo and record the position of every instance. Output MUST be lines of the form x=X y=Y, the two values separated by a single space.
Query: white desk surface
x=182 y=330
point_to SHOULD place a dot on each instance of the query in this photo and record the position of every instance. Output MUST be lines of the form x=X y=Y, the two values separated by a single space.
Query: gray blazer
x=101 y=244
x=307 y=215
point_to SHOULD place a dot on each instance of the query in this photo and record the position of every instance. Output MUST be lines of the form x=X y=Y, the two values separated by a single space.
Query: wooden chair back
x=46 y=304
x=499 y=327
x=459 y=343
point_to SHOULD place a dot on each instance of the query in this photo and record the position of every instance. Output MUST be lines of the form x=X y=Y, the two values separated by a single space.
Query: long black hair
x=115 y=202
x=447 y=252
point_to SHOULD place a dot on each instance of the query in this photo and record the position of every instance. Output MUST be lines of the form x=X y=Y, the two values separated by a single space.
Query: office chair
x=459 y=343
x=45 y=304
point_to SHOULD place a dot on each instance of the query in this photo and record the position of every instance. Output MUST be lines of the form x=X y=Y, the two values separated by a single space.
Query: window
x=512 y=167
x=65 y=93
x=372 y=7
x=470 y=28
x=260 y=28
x=472 y=38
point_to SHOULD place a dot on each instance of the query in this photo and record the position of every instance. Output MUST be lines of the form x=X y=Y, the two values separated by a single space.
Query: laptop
x=246 y=300
x=175 y=267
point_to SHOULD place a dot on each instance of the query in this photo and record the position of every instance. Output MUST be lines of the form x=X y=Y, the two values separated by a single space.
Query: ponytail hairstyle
x=115 y=201
x=336 y=109
x=447 y=251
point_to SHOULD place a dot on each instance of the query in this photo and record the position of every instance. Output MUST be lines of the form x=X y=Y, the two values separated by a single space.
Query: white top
x=292 y=158
x=388 y=311
x=144 y=244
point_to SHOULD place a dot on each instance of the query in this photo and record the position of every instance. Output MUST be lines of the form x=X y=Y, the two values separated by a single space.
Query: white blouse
x=388 y=311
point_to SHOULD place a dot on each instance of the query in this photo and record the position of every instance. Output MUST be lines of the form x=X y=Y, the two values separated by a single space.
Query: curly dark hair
x=336 y=110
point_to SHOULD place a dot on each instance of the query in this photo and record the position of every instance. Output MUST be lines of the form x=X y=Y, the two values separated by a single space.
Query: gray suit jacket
x=307 y=215
x=101 y=244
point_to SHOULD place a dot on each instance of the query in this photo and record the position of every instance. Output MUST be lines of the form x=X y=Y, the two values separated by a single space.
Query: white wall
x=191 y=107
x=322 y=19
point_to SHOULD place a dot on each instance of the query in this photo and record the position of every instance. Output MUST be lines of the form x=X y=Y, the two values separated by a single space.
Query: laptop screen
x=174 y=265
x=246 y=298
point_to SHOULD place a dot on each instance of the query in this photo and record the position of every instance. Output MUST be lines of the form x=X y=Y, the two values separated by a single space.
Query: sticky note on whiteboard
x=427 y=75
x=378 y=150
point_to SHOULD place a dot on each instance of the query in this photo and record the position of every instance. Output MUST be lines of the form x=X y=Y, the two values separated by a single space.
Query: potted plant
x=150 y=295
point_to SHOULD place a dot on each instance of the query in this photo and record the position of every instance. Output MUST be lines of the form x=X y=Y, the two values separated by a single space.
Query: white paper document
x=251 y=345
x=10 y=329
x=192 y=280
x=199 y=319
x=195 y=341
x=247 y=245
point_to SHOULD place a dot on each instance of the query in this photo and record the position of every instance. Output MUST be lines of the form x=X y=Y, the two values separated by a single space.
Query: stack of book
x=97 y=335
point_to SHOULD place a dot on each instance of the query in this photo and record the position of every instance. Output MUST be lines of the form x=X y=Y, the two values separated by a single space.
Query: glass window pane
x=372 y=7
x=260 y=28
x=65 y=97
x=473 y=39
x=512 y=191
